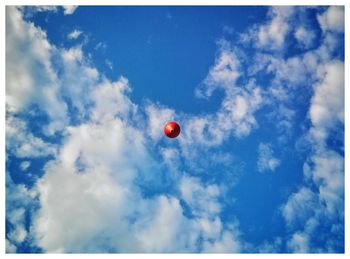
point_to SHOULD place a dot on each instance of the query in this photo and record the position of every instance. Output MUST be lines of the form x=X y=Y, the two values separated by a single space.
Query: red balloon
x=172 y=129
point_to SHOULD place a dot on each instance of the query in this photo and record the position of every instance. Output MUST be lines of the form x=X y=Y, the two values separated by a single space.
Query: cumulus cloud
x=227 y=243
x=97 y=166
x=30 y=77
x=168 y=225
x=110 y=100
x=92 y=223
x=266 y=160
x=78 y=79
x=327 y=104
x=332 y=19
x=103 y=186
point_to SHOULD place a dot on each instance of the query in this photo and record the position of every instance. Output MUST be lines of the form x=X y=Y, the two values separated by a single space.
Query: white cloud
x=25 y=165
x=98 y=165
x=327 y=104
x=20 y=81
x=100 y=45
x=236 y=113
x=273 y=34
x=172 y=158
x=205 y=207
x=111 y=100
x=73 y=55
x=266 y=159
x=109 y=64
x=304 y=37
x=293 y=70
x=226 y=244
x=18 y=234
x=22 y=143
x=69 y=9
x=93 y=199
x=96 y=168
x=284 y=118
x=74 y=34
x=300 y=206
x=29 y=11
x=10 y=248
x=167 y=230
x=78 y=79
x=19 y=201
x=29 y=72
x=332 y=19
x=326 y=169
x=96 y=173
x=191 y=188
x=46 y=8
x=271 y=247
x=299 y=243
x=157 y=118
x=223 y=74
x=93 y=166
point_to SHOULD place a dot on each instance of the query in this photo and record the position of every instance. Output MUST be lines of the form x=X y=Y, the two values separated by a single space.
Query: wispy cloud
x=272 y=34
x=74 y=34
x=22 y=143
x=69 y=9
x=18 y=199
x=304 y=37
x=266 y=159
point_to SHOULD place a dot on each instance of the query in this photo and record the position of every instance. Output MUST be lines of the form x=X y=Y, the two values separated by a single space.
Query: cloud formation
x=74 y=34
x=125 y=189
x=93 y=168
x=332 y=19
x=266 y=160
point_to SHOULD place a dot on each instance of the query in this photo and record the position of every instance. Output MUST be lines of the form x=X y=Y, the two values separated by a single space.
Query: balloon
x=172 y=129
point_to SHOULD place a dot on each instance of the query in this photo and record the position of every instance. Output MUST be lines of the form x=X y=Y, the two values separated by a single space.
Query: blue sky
x=257 y=90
